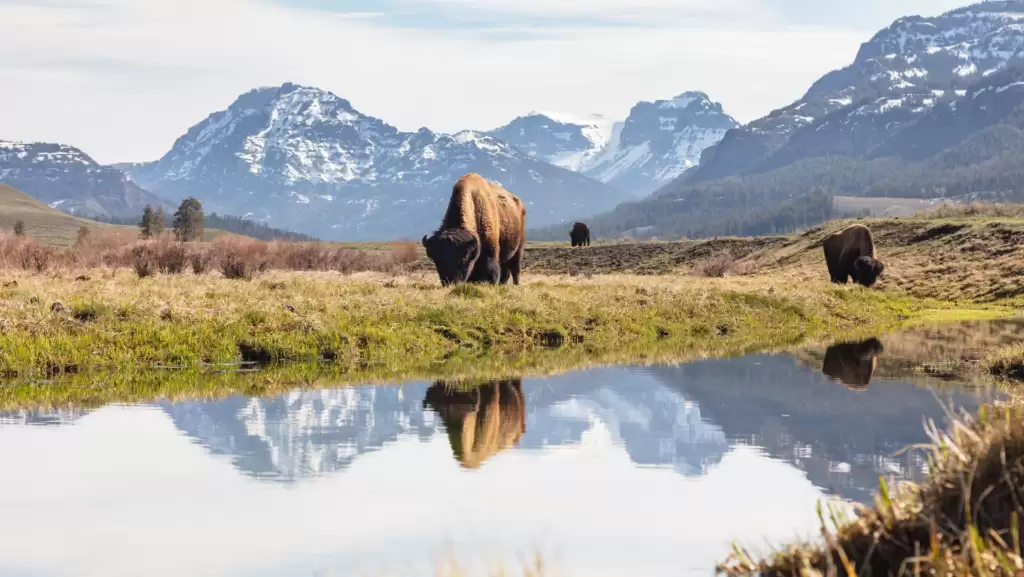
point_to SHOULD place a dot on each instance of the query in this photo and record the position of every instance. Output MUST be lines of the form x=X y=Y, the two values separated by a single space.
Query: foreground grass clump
x=965 y=520
x=1006 y=362
x=53 y=324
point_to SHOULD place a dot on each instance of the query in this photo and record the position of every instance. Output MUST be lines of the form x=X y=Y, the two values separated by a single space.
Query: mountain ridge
x=654 y=144
x=298 y=157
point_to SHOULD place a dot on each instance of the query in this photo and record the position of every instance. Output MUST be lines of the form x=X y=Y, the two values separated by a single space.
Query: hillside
x=42 y=223
x=49 y=226
x=896 y=78
x=959 y=256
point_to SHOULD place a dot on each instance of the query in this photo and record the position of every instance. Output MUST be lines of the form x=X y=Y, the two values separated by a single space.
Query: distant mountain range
x=66 y=178
x=656 y=143
x=929 y=108
x=303 y=159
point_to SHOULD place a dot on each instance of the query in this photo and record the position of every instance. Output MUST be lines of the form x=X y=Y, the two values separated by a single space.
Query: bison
x=851 y=253
x=482 y=236
x=579 y=235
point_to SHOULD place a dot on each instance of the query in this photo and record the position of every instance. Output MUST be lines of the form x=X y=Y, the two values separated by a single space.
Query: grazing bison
x=852 y=364
x=482 y=235
x=480 y=422
x=579 y=235
x=851 y=253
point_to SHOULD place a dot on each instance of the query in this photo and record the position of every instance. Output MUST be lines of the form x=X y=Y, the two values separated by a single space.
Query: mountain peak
x=684 y=100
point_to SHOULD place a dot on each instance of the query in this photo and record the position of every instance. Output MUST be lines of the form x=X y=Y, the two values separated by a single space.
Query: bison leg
x=505 y=273
x=487 y=271
x=515 y=265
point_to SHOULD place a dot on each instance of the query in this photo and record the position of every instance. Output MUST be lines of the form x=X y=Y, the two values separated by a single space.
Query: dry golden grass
x=965 y=520
x=47 y=225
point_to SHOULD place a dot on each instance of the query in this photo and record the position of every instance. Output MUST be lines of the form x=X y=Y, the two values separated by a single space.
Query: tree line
x=189 y=221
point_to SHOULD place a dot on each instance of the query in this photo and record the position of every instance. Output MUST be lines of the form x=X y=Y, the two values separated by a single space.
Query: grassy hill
x=956 y=252
x=51 y=227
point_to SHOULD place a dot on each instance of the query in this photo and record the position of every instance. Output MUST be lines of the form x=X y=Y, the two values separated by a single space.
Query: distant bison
x=579 y=235
x=851 y=253
x=482 y=235
x=480 y=422
x=852 y=364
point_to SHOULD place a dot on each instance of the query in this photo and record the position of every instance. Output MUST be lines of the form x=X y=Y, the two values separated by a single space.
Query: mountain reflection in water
x=650 y=470
x=685 y=418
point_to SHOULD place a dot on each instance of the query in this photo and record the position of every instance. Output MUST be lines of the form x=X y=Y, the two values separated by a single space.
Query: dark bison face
x=454 y=253
x=866 y=270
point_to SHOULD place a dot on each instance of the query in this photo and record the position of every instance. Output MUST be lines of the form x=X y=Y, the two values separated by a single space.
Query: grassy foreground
x=55 y=324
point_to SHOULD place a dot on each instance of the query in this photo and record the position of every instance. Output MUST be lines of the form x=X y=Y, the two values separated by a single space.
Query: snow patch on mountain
x=657 y=142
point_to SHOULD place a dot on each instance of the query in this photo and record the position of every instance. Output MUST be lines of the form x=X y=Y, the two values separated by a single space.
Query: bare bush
x=236 y=257
x=241 y=259
x=144 y=259
x=722 y=265
x=172 y=256
x=202 y=259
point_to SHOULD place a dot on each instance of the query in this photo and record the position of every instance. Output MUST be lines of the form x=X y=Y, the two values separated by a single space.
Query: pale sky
x=122 y=79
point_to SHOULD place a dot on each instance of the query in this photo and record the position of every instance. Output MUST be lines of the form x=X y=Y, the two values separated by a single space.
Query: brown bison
x=482 y=235
x=579 y=235
x=851 y=253
x=852 y=364
x=480 y=422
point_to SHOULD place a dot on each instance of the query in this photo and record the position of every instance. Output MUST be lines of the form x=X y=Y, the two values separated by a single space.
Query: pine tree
x=188 y=220
x=158 y=222
x=19 y=228
x=146 y=225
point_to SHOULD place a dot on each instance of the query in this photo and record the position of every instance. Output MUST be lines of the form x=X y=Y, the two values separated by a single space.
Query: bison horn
x=424 y=240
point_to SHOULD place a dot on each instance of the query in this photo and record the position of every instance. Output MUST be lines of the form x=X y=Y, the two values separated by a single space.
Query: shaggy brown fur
x=481 y=422
x=851 y=253
x=579 y=235
x=852 y=364
x=482 y=235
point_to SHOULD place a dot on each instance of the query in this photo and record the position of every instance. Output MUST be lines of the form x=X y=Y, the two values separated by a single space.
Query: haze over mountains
x=929 y=107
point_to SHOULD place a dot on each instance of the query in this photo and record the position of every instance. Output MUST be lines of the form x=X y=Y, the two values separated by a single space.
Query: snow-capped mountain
x=656 y=143
x=564 y=140
x=66 y=178
x=896 y=78
x=301 y=158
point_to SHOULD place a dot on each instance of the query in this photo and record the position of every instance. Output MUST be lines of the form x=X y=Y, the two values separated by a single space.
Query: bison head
x=866 y=270
x=454 y=253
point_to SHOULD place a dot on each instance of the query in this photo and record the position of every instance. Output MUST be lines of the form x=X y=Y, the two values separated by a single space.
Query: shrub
x=144 y=259
x=721 y=265
x=201 y=259
x=172 y=257
x=241 y=259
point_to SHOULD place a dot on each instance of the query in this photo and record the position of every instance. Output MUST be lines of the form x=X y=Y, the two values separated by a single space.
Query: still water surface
x=612 y=471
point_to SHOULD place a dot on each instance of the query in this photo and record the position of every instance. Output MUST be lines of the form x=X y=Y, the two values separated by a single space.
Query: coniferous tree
x=19 y=228
x=159 y=222
x=188 y=220
x=146 y=225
